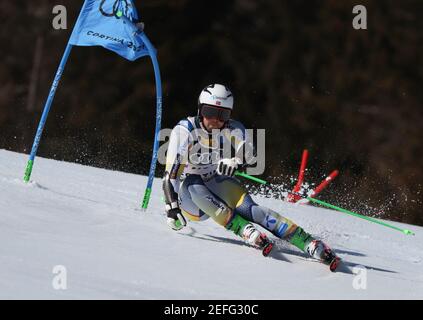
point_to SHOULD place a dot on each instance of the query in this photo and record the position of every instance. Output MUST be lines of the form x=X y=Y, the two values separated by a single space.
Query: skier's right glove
x=175 y=219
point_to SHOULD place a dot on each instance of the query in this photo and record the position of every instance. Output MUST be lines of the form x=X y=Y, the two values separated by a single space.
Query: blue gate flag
x=114 y=25
x=110 y=24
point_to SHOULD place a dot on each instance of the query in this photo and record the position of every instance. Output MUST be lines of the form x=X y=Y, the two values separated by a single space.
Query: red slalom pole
x=293 y=197
x=324 y=183
x=302 y=170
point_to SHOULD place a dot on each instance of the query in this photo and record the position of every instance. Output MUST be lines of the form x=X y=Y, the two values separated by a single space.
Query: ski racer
x=199 y=183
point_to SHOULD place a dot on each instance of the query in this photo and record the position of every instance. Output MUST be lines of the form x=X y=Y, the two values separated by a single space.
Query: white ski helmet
x=216 y=95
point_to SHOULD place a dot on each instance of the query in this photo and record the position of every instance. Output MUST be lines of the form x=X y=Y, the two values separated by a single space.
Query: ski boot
x=250 y=234
x=320 y=251
x=257 y=239
x=315 y=248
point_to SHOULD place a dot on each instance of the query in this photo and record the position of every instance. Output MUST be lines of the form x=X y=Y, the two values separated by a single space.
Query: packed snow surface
x=76 y=232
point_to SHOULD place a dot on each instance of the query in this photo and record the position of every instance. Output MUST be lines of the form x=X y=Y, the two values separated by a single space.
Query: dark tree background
x=297 y=68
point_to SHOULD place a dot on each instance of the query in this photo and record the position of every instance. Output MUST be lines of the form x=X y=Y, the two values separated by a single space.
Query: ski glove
x=175 y=219
x=227 y=167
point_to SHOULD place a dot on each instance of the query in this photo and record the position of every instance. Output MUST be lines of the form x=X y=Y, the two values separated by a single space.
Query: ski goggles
x=209 y=111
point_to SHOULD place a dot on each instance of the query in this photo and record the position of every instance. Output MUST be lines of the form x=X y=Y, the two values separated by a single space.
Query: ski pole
x=408 y=232
x=325 y=204
x=242 y=174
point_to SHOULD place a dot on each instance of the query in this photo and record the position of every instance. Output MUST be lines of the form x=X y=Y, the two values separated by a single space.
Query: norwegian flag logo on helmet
x=216 y=95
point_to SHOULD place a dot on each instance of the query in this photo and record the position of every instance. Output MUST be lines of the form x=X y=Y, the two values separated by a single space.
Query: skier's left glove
x=227 y=167
x=175 y=219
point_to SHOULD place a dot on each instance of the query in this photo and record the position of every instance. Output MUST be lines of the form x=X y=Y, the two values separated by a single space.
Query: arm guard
x=171 y=197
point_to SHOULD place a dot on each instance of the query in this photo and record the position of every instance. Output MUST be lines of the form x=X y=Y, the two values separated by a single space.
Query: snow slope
x=86 y=219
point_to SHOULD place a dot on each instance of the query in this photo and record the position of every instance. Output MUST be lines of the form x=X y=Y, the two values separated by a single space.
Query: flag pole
x=292 y=197
x=155 y=62
x=47 y=106
x=46 y=110
x=139 y=29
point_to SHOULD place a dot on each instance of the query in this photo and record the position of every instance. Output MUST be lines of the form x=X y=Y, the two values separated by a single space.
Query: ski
x=267 y=249
x=334 y=264
x=326 y=256
x=265 y=244
x=330 y=258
